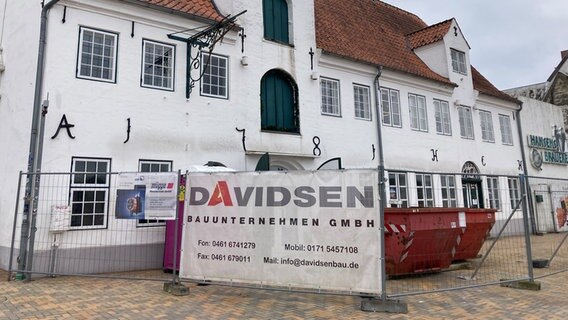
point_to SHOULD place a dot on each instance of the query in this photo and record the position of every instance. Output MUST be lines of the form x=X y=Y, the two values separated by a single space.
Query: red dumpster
x=420 y=240
x=478 y=224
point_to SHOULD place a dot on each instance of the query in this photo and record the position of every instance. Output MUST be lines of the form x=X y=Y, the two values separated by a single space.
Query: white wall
x=21 y=22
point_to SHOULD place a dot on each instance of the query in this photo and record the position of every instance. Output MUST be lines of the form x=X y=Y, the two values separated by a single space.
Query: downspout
x=35 y=151
x=525 y=171
x=382 y=186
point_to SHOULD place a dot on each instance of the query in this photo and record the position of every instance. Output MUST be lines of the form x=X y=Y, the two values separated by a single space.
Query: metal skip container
x=478 y=225
x=419 y=240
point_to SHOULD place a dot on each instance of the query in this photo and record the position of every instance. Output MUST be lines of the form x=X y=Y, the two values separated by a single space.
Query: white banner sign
x=146 y=195
x=314 y=230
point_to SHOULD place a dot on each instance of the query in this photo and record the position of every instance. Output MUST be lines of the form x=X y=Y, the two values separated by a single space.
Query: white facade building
x=303 y=83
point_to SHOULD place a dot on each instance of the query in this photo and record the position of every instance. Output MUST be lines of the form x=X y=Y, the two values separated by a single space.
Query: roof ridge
x=432 y=26
x=399 y=9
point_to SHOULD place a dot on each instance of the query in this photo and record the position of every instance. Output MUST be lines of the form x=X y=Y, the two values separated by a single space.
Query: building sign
x=146 y=195
x=314 y=230
x=548 y=150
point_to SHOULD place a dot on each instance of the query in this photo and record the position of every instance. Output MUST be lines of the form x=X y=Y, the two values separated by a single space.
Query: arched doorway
x=471 y=186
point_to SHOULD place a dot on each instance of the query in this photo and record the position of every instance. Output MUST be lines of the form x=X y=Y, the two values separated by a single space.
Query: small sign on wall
x=146 y=195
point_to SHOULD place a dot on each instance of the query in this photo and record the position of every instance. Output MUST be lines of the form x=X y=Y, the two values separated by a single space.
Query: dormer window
x=458 y=61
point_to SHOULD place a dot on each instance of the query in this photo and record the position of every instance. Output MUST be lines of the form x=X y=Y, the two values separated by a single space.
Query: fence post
x=14 y=227
x=175 y=279
x=175 y=287
x=524 y=196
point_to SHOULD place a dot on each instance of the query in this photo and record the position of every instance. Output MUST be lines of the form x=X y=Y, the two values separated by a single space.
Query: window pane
x=330 y=96
x=97 y=50
x=77 y=196
x=215 y=80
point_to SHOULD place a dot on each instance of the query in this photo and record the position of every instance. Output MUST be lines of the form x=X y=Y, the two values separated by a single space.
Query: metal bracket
x=127 y=131
x=206 y=38
x=244 y=137
x=317 y=151
x=434 y=155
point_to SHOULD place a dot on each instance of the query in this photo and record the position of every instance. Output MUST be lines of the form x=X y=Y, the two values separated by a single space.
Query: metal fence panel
x=432 y=256
x=77 y=233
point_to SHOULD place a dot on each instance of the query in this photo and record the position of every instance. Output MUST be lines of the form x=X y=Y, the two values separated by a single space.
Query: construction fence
x=441 y=231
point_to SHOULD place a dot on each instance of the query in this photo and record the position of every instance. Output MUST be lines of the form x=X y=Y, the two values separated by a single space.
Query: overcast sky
x=513 y=42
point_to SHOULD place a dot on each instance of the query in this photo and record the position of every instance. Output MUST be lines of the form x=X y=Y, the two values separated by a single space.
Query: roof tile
x=378 y=33
x=201 y=8
x=428 y=35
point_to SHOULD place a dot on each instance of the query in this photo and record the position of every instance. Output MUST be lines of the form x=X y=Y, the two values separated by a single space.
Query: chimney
x=564 y=54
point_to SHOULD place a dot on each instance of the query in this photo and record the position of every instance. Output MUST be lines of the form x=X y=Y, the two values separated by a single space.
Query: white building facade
x=303 y=92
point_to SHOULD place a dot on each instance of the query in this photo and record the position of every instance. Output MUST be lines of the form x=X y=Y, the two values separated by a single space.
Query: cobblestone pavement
x=94 y=298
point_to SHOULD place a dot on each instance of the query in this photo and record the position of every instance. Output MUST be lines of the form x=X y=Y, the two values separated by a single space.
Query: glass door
x=471 y=195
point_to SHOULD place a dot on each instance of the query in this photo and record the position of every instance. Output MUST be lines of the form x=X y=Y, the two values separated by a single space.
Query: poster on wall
x=146 y=195
x=560 y=205
x=315 y=230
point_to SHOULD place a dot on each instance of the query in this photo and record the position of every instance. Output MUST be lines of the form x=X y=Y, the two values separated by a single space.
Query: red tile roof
x=428 y=35
x=200 y=8
x=378 y=33
x=481 y=84
x=372 y=32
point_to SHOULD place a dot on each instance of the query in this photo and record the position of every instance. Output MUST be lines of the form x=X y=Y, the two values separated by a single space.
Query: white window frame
x=506 y=130
x=362 y=101
x=493 y=193
x=212 y=72
x=449 y=191
x=486 y=122
x=390 y=107
x=426 y=201
x=84 y=54
x=158 y=55
x=398 y=190
x=162 y=166
x=459 y=64
x=330 y=97
x=80 y=183
x=418 y=112
x=443 y=119
x=514 y=192
x=466 y=122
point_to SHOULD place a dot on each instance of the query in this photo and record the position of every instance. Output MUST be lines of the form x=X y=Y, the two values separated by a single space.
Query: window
x=514 y=193
x=449 y=191
x=486 y=126
x=275 y=17
x=362 y=104
x=390 y=104
x=506 y=132
x=215 y=76
x=330 y=97
x=424 y=190
x=90 y=183
x=97 y=55
x=443 y=123
x=279 y=102
x=153 y=166
x=493 y=193
x=418 y=118
x=466 y=122
x=458 y=61
x=158 y=65
x=398 y=190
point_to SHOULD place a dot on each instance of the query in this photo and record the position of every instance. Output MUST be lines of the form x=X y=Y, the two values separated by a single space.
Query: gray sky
x=513 y=42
